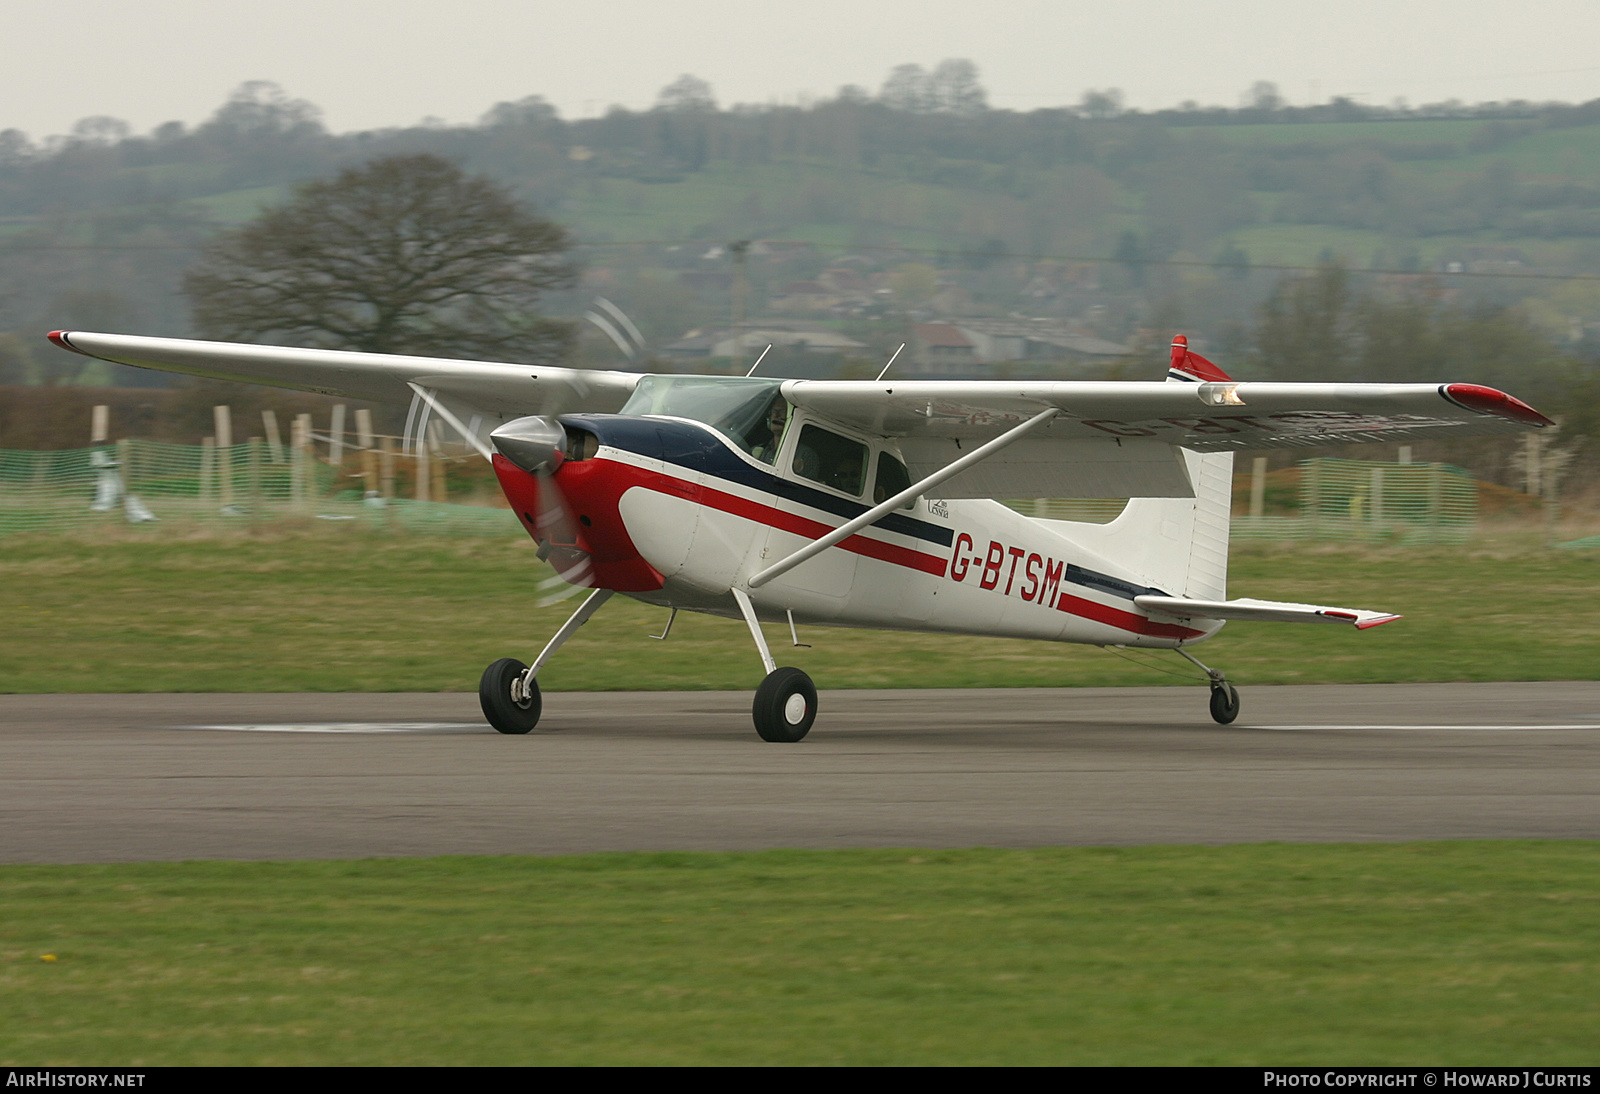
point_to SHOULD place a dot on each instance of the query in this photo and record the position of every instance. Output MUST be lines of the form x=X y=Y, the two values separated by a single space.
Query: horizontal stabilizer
x=1262 y=609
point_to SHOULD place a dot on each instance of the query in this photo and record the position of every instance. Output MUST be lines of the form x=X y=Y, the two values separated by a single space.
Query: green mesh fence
x=1085 y=510
x=152 y=485
x=1363 y=500
x=1360 y=500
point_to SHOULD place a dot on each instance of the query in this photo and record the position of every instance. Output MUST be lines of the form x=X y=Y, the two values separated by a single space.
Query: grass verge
x=352 y=611
x=1460 y=953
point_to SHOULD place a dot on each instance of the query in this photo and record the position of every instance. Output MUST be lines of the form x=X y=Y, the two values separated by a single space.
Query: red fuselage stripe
x=787 y=522
x=1116 y=617
x=885 y=552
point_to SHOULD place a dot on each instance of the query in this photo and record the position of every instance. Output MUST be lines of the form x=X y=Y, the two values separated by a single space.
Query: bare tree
x=905 y=89
x=407 y=254
x=687 y=95
x=953 y=88
x=1101 y=104
x=1263 y=95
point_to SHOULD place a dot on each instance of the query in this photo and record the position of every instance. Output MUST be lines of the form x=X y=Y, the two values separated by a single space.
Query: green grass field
x=1458 y=953
x=347 y=610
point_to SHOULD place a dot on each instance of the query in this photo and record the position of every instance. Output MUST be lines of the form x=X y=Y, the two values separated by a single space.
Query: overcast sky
x=371 y=64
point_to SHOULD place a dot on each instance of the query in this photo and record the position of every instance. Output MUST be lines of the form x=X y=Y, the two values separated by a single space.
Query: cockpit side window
x=832 y=460
x=766 y=436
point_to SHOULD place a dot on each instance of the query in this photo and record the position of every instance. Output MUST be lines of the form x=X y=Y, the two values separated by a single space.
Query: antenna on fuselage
x=891 y=361
x=760 y=359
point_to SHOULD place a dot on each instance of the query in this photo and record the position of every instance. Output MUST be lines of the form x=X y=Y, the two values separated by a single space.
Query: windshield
x=741 y=408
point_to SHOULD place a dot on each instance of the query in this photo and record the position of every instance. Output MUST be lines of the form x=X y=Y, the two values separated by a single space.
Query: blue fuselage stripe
x=698 y=448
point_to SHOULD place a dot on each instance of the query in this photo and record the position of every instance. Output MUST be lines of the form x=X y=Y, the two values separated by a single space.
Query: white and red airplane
x=869 y=503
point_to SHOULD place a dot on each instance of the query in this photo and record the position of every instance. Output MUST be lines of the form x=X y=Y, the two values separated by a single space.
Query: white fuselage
x=965 y=566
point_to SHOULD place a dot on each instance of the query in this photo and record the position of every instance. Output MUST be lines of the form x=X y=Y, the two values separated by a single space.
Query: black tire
x=776 y=719
x=494 y=695
x=1224 y=704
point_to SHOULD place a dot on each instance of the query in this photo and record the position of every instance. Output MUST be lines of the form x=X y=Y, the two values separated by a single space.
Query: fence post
x=99 y=425
x=1435 y=499
x=222 y=419
x=1375 y=498
x=386 y=482
x=269 y=422
x=296 y=466
x=125 y=465
x=255 y=483
x=308 y=460
x=1312 y=492
x=421 y=460
x=369 y=458
x=336 y=437
x=436 y=472
x=1552 y=503
x=208 y=460
x=1258 y=487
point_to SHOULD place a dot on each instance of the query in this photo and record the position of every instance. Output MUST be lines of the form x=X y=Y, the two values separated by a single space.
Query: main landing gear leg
x=786 y=701
x=1224 y=699
x=508 y=692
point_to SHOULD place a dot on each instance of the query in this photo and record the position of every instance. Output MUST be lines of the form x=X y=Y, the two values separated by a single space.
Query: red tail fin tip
x=1189 y=363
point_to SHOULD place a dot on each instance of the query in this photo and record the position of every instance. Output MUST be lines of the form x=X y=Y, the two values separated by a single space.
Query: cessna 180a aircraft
x=869 y=503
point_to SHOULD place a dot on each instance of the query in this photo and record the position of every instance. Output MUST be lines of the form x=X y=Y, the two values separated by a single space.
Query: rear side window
x=832 y=460
x=891 y=478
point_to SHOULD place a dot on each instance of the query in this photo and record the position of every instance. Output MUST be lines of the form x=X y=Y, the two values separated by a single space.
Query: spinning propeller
x=539 y=445
x=536 y=445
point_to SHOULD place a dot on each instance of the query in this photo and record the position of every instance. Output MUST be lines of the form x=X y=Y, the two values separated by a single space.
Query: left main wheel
x=785 y=706
x=509 y=713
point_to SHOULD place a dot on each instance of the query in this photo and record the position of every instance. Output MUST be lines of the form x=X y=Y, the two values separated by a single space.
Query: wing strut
x=883 y=509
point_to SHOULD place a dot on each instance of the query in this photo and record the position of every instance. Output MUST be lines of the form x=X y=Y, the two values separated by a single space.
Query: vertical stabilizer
x=1177 y=543
x=1212 y=475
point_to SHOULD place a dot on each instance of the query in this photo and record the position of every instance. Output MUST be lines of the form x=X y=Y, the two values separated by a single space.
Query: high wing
x=1209 y=417
x=503 y=389
x=1123 y=439
x=1106 y=439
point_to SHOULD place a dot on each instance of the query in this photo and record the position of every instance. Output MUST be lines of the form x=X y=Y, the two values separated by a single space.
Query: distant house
x=805 y=297
x=757 y=335
x=940 y=346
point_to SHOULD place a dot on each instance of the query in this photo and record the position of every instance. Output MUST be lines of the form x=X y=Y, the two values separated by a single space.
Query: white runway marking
x=1288 y=729
x=353 y=727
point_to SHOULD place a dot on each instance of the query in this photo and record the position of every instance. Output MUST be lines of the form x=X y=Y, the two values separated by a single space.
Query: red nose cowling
x=591 y=528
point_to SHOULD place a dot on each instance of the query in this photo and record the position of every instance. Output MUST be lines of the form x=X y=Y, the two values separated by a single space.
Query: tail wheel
x=785 y=706
x=506 y=704
x=1224 y=703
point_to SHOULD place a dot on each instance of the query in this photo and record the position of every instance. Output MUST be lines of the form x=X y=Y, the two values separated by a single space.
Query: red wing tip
x=59 y=337
x=1380 y=621
x=1486 y=400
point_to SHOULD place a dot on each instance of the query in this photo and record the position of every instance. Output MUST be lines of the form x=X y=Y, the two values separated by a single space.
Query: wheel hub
x=794 y=709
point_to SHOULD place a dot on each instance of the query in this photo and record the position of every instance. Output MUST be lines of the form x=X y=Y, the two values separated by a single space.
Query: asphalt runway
x=111 y=778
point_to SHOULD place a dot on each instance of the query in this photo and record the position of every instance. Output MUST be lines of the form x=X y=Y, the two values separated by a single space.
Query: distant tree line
x=98 y=227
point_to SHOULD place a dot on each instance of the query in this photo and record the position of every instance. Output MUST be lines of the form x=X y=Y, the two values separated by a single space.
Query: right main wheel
x=505 y=713
x=1224 y=703
x=785 y=706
